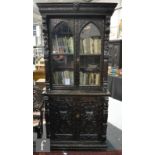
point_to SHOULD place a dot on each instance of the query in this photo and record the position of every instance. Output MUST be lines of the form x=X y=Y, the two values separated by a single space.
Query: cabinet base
x=78 y=145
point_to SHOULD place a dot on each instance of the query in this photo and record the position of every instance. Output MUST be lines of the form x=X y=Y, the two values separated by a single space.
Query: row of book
x=67 y=78
x=89 y=79
x=90 y=45
x=63 y=45
x=63 y=78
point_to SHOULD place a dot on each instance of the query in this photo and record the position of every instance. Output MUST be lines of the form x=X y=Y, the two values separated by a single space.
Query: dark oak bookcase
x=76 y=40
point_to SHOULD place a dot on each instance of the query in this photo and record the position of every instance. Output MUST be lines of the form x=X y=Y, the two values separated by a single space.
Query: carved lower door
x=91 y=119
x=61 y=123
x=76 y=118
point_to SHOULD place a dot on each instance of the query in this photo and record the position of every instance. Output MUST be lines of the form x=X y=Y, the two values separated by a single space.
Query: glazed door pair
x=76 y=53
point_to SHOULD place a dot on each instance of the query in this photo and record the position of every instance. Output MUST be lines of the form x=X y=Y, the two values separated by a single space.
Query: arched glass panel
x=62 y=39
x=90 y=54
x=62 y=55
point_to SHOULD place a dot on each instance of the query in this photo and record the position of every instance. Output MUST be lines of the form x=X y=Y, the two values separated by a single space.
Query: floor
x=81 y=153
x=115 y=113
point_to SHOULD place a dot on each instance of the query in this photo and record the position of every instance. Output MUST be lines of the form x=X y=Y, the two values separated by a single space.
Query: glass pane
x=63 y=55
x=90 y=79
x=90 y=54
x=90 y=40
x=62 y=61
x=63 y=78
x=90 y=63
x=62 y=40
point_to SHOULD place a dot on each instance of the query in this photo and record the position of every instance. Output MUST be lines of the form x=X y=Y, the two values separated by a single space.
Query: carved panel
x=61 y=111
x=76 y=117
x=106 y=52
x=106 y=35
x=47 y=115
x=88 y=118
x=46 y=51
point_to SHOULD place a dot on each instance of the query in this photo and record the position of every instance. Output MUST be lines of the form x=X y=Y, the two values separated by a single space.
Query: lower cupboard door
x=61 y=121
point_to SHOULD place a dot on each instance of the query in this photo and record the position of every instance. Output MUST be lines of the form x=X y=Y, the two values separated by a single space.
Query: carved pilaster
x=106 y=52
x=46 y=51
x=105 y=115
x=47 y=115
x=106 y=35
x=76 y=6
x=105 y=77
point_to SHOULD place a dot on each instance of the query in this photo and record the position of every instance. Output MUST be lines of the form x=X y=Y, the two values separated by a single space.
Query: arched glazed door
x=62 y=54
x=90 y=54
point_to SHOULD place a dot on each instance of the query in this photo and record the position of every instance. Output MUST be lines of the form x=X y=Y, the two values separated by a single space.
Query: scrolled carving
x=45 y=33
x=65 y=112
x=106 y=35
x=37 y=98
x=45 y=98
x=47 y=86
x=105 y=86
x=89 y=114
x=106 y=47
x=76 y=6
x=61 y=114
x=107 y=20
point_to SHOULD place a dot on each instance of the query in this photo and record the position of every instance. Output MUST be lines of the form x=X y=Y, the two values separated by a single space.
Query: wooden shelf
x=67 y=54
x=87 y=69
x=90 y=54
x=63 y=68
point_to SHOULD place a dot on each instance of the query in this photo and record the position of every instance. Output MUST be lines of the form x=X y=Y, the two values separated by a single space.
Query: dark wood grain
x=76 y=116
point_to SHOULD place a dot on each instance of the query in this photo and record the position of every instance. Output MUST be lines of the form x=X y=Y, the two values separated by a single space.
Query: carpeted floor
x=114 y=137
x=118 y=152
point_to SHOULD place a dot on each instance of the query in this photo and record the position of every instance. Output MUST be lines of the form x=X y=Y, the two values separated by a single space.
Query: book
x=81 y=46
x=63 y=45
x=90 y=45
x=97 y=81
x=56 y=43
x=84 y=46
x=97 y=46
x=63 y=78
x=71 y=45
x=71 y=76
x=81 y=78
x=92 y=79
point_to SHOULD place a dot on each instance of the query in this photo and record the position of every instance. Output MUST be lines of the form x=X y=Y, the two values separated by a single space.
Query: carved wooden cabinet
x=76 y=39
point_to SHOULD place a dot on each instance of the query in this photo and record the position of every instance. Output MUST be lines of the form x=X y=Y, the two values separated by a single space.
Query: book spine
x=57 y=45
x=81 y=78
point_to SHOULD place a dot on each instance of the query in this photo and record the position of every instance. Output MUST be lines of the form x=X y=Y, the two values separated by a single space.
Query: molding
x=77 y=8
